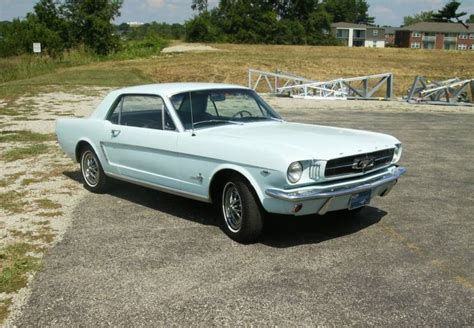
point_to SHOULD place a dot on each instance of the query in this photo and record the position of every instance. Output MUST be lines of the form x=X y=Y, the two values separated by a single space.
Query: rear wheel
x=242 y=217
x=93 y=175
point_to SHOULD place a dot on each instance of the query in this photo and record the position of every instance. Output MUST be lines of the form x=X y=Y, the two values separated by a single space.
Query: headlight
x=295 y=170
x=398 y=153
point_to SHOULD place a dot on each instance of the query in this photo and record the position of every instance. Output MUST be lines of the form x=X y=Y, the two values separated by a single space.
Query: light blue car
x=223 y=144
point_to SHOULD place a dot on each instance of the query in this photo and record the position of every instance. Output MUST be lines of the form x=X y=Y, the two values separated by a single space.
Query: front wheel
x=93 y=175
x=241 y=212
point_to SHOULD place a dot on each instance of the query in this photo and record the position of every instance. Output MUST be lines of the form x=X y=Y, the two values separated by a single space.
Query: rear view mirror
x=217 y=96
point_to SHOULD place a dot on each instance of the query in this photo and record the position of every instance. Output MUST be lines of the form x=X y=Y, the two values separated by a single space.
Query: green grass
x=15 y=265
x=24 y=136
x=29 y=66
x=18 y=153
x=111 y=74
x=12 y=201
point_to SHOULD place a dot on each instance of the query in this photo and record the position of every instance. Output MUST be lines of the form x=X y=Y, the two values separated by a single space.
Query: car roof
x=168 y=89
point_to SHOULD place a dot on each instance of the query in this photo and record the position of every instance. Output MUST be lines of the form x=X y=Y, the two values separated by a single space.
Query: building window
x=415 y=45
x=471 y=36
x=416 y=34
x=471 y=47
x=376 y=32
x=462 y=46
x=463 y=36
x=342 y=34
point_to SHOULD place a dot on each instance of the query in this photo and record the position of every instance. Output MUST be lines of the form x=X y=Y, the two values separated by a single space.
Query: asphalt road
x=137 y=257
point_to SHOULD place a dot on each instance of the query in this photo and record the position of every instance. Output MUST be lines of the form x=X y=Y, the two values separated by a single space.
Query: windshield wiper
x=217 y=121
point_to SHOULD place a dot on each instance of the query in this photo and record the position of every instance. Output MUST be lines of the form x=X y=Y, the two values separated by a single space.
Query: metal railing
x=450 y=39
x=429 y=38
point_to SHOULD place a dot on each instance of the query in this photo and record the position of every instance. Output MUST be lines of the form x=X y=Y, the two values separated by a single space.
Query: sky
x=387 y=12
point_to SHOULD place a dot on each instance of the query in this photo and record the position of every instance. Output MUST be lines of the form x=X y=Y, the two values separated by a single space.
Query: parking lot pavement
x=139 y=257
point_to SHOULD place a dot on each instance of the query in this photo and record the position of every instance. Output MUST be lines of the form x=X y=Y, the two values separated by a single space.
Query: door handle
x=115 y=133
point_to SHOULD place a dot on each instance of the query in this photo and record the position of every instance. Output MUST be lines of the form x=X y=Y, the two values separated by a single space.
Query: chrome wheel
x=232 y=207
x=90 y=168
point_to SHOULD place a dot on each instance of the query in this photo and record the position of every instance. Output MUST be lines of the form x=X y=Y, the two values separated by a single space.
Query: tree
x=92 y=21
x=351 y=11
x=362 y=13
x=470 y=20
x=199 y=5
x=50 y=14
x=449 y=13
x=264 y=21
x=424 y=16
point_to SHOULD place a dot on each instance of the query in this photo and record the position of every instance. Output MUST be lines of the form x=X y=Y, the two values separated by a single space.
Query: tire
x=237 y=196
x=93 y=176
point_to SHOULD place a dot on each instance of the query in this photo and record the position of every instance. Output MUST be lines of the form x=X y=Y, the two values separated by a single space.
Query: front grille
x=355 y=163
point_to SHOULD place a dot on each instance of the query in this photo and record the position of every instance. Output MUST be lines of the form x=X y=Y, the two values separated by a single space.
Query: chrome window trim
x=120 y=98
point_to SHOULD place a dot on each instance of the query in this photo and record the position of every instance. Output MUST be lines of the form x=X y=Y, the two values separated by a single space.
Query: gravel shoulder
x=38 y=184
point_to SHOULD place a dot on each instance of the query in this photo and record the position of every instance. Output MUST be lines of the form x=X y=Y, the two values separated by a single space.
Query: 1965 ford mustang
x=223 y=144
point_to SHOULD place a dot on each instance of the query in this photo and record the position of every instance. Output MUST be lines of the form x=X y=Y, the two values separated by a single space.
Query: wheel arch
x=80 y=145
x=222 y=173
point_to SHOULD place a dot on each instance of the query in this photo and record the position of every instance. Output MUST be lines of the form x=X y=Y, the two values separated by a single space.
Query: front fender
x=258 y=177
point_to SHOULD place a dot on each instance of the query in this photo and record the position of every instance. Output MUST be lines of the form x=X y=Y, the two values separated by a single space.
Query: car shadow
x=280 y=231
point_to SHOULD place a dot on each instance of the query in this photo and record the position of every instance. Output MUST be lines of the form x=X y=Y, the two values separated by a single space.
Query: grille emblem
x=363 y=164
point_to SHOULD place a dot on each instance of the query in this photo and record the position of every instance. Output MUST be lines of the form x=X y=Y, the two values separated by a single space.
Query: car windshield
x=221 y=106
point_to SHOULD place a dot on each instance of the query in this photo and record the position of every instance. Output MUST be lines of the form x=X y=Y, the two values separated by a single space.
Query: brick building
x=390 y=35
x=430 y=35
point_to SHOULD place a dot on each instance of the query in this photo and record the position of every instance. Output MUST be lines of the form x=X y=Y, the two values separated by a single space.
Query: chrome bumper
x=339 y=189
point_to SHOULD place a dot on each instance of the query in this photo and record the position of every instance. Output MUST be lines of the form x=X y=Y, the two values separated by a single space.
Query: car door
x=142 y=140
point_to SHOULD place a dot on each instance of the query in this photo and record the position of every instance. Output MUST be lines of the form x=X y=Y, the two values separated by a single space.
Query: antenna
x=192 y=119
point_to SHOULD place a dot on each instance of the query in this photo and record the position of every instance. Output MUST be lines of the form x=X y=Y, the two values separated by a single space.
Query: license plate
x=360 y=199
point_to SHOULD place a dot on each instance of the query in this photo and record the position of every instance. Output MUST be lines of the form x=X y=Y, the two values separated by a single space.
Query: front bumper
x=332 y=196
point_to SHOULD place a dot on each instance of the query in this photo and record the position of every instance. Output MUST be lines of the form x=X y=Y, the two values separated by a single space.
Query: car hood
x=312 y=141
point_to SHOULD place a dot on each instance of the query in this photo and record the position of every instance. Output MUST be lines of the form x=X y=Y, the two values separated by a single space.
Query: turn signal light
x=297 y=208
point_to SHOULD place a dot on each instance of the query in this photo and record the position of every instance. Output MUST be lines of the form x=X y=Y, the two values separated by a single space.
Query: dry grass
x=231 y=63
x=320 y=63
x=4 y=309
x=47 y=204
x=50 y=214
x=10 y=179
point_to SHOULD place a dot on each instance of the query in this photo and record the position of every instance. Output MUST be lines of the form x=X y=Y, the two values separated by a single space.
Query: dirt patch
x=184 y=47
x=38 y=113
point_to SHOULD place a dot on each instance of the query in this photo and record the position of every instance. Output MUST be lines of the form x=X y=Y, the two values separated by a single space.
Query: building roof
x=391 y=30
x=439 y=27
x=351 y=25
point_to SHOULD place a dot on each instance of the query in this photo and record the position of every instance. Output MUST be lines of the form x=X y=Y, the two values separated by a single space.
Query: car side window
x=114 y=116
x=143 y=111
